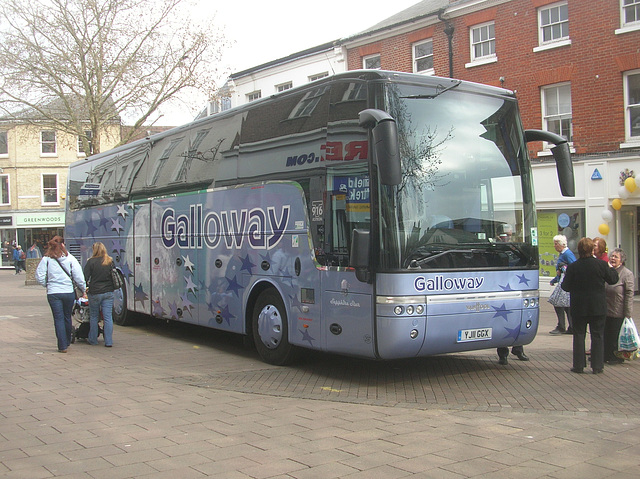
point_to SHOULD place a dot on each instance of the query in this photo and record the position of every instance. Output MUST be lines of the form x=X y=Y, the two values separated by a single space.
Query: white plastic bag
x=628 y=340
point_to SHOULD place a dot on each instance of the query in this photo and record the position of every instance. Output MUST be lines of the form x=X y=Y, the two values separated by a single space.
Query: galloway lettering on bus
x=262 y=229
x=334 y=151
x=440 y=283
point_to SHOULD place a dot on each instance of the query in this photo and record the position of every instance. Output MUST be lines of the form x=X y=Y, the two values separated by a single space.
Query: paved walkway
x=179 y=401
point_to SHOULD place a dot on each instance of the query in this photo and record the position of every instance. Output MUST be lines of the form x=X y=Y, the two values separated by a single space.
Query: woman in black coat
x=585 y=280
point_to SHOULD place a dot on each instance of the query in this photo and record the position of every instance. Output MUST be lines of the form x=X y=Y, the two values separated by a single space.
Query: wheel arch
x=256 y=290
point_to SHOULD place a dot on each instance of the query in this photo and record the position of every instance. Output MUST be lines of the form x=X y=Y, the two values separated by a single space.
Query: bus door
x=141 y=258
x=347 y=303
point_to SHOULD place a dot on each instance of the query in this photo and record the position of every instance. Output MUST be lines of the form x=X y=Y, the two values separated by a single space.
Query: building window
x=254 y=96
x=50 y=190
x=48 y=142
x=630 y=12
x=556 y=105
x=81 y=151
x=423 y=57
x=4 y=190
x=284 y=86
x=317 y=76
x=308 y=102
x=632 y=105
x=483 y=42
x=4 y=145
x=371 y=62
x=161 y=161
x=553 y=22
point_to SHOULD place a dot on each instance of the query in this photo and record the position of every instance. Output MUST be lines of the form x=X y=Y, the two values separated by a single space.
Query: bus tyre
x=120 y=314
x=270 y=329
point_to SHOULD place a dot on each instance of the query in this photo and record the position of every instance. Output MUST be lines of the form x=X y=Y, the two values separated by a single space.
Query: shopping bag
x=628 y=340
x=559 y=297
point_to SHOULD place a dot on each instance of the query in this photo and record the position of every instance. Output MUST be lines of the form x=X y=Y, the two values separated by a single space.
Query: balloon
x=623 y=192
x=616 y=204
x=630 y=184
x=603 y=229
x=607 y=215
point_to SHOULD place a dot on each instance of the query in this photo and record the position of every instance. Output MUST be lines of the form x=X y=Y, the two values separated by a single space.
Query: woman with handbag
x=619 y=305
x=97 y=273
x=61 y=274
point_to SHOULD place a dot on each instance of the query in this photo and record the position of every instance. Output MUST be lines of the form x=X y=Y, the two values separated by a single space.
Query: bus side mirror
x=385 y=144
x=359 y=257
x=561 y=154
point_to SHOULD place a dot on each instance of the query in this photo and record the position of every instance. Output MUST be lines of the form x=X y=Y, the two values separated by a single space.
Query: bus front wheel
x=270 y=329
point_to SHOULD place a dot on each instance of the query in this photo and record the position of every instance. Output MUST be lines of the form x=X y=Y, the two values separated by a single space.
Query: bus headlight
x=398 y=310
x=410 y=309
x=420 y=309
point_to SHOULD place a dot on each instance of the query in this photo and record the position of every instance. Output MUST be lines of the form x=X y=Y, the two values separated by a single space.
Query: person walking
x=18 y=259
x=565 y=258
x=55 y=272
x=97 y=273
x=619 y=304
x=585 y=279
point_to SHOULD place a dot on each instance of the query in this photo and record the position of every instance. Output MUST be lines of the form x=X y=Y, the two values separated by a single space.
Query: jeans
x=61 y=306
x=98 y=302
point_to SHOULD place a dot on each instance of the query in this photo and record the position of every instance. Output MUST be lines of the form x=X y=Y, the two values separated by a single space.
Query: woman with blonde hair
x=54 y=272
x=97 y=273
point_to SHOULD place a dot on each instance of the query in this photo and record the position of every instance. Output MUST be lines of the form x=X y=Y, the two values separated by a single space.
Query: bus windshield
x=466 y=199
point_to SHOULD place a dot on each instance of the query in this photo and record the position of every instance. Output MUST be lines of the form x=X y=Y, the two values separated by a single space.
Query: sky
x=262 y=31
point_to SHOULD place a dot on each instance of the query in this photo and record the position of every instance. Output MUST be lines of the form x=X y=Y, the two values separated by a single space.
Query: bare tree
x=99 y=60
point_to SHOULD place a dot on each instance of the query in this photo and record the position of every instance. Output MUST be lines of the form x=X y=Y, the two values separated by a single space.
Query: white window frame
x=44 y=142
x=547 y=117
x=42 y=189
x=254 y=95
x=483 y=59
x=630 y=141
x=554 y=42
x=318 y=76
x=371 y=57
x=284 y=86
x=80 y=152
x=6 y=142
x=5 y=182
x=417 y=59
x=629 y=26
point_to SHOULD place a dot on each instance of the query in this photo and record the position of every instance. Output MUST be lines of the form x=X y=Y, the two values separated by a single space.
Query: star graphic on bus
x=295 y=303
x=233 y=285
x=306 y=336
x=512 y=332
x=191 y=287
x=158 y=310
x=173 y=310
x=122 y=211
x=104 y=221
x=247 y=265
x=188 y=265
x=116 y=226
x=124 y=268
x=502 y=311
x=91 y=228
x=226 y=314
x=507 y=287
x=186 y=304
x=523 y=279
x=117 y=246
x=139 y=294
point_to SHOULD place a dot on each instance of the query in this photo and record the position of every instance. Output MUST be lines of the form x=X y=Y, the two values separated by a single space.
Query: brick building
x=34 y=161
x=575 y=67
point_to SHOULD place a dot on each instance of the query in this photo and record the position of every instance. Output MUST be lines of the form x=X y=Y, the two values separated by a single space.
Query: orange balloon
x=616 y=204
x=603 y=229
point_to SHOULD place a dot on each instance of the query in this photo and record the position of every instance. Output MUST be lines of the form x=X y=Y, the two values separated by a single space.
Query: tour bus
x=360 y=214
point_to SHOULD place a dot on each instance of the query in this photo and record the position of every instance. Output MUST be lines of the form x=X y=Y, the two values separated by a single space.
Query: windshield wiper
x=439 y=91
x=417 y=263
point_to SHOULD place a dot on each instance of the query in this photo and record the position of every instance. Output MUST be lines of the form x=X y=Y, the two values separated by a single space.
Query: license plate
x=481 y=334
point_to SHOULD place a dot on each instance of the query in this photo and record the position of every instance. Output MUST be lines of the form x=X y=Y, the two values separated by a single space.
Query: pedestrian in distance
x=19 y=257
x=619 y=304
x=97 y=273
x=565 y=258
x=585 y=279
x=54 y=273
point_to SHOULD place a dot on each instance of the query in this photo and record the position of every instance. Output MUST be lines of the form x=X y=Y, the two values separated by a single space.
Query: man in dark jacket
x=585 y=280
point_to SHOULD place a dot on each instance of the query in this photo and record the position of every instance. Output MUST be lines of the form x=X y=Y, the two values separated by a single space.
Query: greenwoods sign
x=54 y=218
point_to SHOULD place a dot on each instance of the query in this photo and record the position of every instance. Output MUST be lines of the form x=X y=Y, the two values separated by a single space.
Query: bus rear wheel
x=270 y=329
x=120 y=314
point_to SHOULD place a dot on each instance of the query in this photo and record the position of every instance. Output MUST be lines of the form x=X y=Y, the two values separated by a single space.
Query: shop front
x=27 y=229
